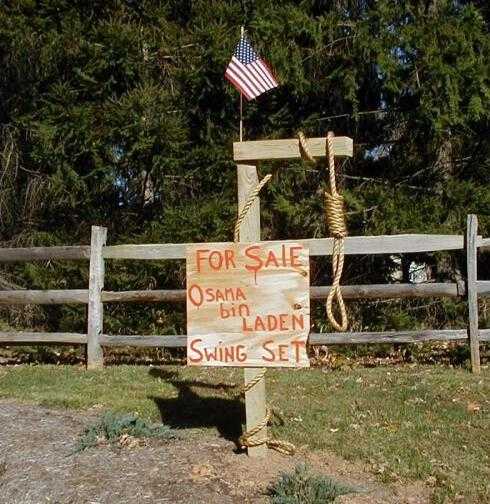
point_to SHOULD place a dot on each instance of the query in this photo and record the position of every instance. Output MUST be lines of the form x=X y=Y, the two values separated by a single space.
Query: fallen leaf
x=431 y=481
x=201 y=471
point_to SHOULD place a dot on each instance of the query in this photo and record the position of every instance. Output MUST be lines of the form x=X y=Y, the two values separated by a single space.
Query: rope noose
x=245 y=439
x=334 y=210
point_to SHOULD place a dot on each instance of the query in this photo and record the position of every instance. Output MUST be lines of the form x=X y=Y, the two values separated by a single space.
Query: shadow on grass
x=192 y=410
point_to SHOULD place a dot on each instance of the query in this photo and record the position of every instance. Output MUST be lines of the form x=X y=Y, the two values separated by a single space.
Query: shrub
x=112 y=426
x=304 y=487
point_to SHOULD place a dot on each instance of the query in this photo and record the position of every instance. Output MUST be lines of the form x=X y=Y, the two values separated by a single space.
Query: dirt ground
x=37 y=466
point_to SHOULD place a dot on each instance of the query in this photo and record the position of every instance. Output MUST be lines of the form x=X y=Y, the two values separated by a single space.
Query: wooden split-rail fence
x=95 y=296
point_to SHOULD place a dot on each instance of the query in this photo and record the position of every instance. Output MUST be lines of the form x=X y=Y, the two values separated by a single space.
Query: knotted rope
x=245 y=439
x=334 y=211
x=248 y=204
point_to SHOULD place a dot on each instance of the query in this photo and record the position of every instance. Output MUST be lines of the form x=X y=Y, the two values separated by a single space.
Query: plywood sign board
x=248 y=304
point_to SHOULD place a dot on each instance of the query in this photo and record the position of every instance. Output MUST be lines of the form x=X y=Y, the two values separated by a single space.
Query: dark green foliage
x=304 y=487
x=116 y=113
x=112 y=426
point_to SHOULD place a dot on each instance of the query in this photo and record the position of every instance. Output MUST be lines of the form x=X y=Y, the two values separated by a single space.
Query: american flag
x=249 y=73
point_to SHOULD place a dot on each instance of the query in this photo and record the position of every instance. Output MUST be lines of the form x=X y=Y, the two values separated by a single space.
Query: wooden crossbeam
x=259 y=150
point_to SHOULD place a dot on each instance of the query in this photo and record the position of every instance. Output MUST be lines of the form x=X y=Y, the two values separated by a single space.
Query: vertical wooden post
x=471 y=289
x=255 y=403
x=95 y=357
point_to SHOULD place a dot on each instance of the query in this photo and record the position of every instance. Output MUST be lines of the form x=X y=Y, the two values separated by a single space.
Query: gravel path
x=37 y=465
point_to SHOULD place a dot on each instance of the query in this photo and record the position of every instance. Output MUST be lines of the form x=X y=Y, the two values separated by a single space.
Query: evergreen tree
x=116 y=113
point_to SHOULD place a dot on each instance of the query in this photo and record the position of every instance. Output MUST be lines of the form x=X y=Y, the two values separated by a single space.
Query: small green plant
x=112 y=426
x=304 y=487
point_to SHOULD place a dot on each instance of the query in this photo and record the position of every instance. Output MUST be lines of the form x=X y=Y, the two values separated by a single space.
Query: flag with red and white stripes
x=248 y=73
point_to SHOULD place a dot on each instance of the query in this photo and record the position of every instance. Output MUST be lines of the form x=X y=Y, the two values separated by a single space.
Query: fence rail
x=180 y=340
x=364 y=245
x=373 y=291
x=95 y=296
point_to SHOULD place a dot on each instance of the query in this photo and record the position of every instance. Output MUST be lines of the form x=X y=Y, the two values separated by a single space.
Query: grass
x=304 y=487
x=406 y=423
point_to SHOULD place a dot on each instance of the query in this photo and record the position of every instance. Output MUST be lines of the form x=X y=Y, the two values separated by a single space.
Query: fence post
x=471 y=289
x=95 y=357
x=255 y=403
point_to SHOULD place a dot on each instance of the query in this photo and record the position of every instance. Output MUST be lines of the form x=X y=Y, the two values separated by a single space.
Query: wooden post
x=471 y=289
x=95 y=357
x=255 y=403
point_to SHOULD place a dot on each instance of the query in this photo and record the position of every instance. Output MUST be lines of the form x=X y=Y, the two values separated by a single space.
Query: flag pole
x=242 y=32
x=241 y=117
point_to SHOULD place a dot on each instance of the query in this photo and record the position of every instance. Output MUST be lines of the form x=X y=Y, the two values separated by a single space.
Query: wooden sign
x=248 y=304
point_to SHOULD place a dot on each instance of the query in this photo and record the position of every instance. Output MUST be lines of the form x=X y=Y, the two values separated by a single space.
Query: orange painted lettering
x=195 y=295
x=193 y=349
x=265 y=346
x=199 y=257
x=283 y=353
x=295 y=261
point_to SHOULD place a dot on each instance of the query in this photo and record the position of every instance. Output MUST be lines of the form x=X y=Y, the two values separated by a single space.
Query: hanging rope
x=248 y=204
x=334 y=211
x=245 y=439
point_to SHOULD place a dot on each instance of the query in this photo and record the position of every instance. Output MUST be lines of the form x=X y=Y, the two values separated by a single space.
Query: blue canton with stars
x=244 y=52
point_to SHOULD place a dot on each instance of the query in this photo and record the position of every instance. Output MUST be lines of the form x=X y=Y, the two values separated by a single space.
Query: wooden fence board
x=471 y=287
x=143 y=296
x=389 y=244
x=44 y=253
x=171 y=341
x=387 y=337
x=146 y=251
x=484 y=245
x=42 y=337
x=95 y=315
x=258 y=150
x=391 y=291
x=483 y=287
x=22 y=297
x=180 y=340
x=374 y=291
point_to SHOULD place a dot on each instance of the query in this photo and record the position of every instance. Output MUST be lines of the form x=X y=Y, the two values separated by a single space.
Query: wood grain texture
x=255 y=400
x=472 y=277
x=484 y=244
x=95 y=356
x=484 y=334
x=148 y=251
x=483 y=287
x=180 y=340
x=144 y=296
x=23 y=297
x=258 y=150
x=389 y=244
x=261 y=316
x=42 y=337
x=44 y=253
x=171 y=341
x=387 y=337
x=375 y=291
x=391 y=291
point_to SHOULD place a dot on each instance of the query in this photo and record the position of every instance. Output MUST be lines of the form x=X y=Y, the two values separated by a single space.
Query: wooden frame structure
x=396 y=244
x=247 y=154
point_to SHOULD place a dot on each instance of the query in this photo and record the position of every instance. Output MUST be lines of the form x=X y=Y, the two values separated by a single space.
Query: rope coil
x=245 y=439
x=335 y=215
x=334 y=210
